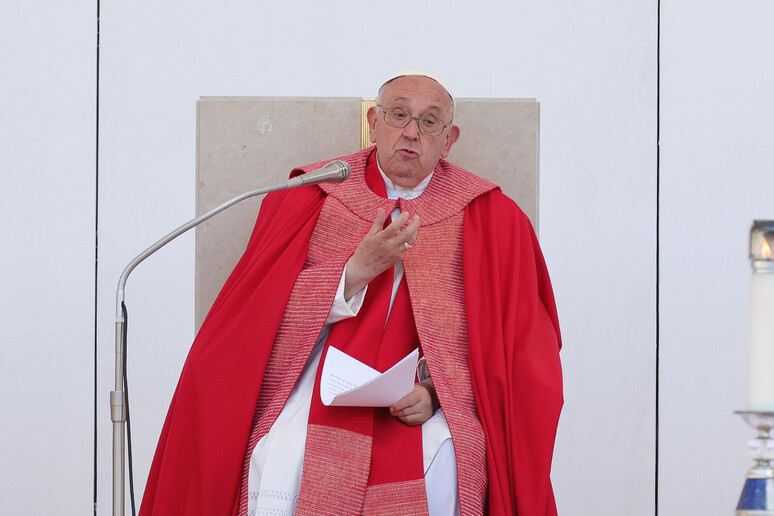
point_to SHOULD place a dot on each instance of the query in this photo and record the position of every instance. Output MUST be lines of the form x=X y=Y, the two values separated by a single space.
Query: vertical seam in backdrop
x=96 y=256
x=658 y=235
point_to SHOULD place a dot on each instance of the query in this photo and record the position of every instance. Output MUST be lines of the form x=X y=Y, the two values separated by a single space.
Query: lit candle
x=760 y=389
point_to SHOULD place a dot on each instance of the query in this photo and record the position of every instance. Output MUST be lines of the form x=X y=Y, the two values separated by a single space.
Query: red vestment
x=506 y=374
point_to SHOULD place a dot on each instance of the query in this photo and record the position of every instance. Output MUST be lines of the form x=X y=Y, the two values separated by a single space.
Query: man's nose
x=411 y=131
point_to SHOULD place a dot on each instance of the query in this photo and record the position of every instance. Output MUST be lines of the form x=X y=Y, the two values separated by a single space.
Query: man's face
x=406 y=155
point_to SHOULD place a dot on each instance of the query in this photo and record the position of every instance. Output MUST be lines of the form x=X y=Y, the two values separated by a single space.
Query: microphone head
x=340 y=169
x=333 y=172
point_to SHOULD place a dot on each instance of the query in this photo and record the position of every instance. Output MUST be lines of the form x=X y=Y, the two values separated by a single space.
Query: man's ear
x=451 y=138
x=371 y=116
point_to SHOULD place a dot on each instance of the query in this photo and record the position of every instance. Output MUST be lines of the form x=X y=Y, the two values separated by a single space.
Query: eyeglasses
x=428 y=124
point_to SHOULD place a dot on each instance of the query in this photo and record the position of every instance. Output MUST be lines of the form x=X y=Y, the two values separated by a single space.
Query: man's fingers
x=378 y=222
x=402 y=229
x=412 y=415
x=411 y=402
x=405 y=402
x=407 y=412
x=411 y=229
x=396 y=225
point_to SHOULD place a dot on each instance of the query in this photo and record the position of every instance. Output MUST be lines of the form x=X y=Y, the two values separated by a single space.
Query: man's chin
x=407 y=179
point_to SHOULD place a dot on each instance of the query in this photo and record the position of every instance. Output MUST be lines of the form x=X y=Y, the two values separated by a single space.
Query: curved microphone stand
x=334 y=172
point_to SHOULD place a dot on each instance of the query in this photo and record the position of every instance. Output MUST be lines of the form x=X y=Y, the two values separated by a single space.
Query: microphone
x=334 y=172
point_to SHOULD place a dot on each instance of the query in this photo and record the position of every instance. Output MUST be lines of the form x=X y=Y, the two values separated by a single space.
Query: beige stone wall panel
x=244 y=143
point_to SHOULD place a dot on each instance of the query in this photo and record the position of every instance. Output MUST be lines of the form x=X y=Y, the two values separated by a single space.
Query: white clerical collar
x=395 y=192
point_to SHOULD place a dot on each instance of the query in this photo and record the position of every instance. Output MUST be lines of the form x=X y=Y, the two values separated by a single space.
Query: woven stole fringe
x=362 y=460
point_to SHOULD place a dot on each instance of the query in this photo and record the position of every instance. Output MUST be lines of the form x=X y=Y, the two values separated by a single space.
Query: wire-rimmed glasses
x=429 y=125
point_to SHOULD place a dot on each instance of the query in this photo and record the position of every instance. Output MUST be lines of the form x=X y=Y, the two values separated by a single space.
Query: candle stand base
x=757 y=497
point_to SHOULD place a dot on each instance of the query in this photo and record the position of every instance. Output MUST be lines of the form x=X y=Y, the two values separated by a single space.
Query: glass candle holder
x=761 y=240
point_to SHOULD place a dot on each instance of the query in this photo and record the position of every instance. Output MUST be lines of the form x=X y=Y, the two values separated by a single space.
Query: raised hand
x=379 y=250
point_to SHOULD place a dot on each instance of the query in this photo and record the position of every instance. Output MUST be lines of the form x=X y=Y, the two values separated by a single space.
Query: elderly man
x=410 y=252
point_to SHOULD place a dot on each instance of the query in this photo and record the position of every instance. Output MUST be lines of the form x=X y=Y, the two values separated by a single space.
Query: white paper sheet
x=348 y=382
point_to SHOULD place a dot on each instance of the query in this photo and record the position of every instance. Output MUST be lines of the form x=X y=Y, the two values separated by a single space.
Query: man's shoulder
x=496 y=208
x=356 y=160
x=462 y=176
x=496 y=199
x=491 y=196
x=302 y=201
x=458 y=185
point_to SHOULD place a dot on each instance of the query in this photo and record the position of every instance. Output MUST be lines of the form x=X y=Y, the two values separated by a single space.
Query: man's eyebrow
x=433 y=107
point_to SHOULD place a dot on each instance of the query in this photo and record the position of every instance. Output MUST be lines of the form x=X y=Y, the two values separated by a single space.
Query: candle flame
x=765 y=249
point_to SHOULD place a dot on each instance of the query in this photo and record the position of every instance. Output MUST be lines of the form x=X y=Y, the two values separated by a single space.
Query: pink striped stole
x=433 y=271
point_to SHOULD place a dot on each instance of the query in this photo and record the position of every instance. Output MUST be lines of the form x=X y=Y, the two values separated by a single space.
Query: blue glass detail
x=757 y=494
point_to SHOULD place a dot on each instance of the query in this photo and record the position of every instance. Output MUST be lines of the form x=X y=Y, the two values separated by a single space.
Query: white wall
x=717 y=175
x=596 y=82
x=592 y=65
x=47 y=256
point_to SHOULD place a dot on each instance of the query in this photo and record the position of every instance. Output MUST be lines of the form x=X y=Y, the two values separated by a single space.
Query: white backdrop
x=614 y=246
x=47 y=256
x=717 y=175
